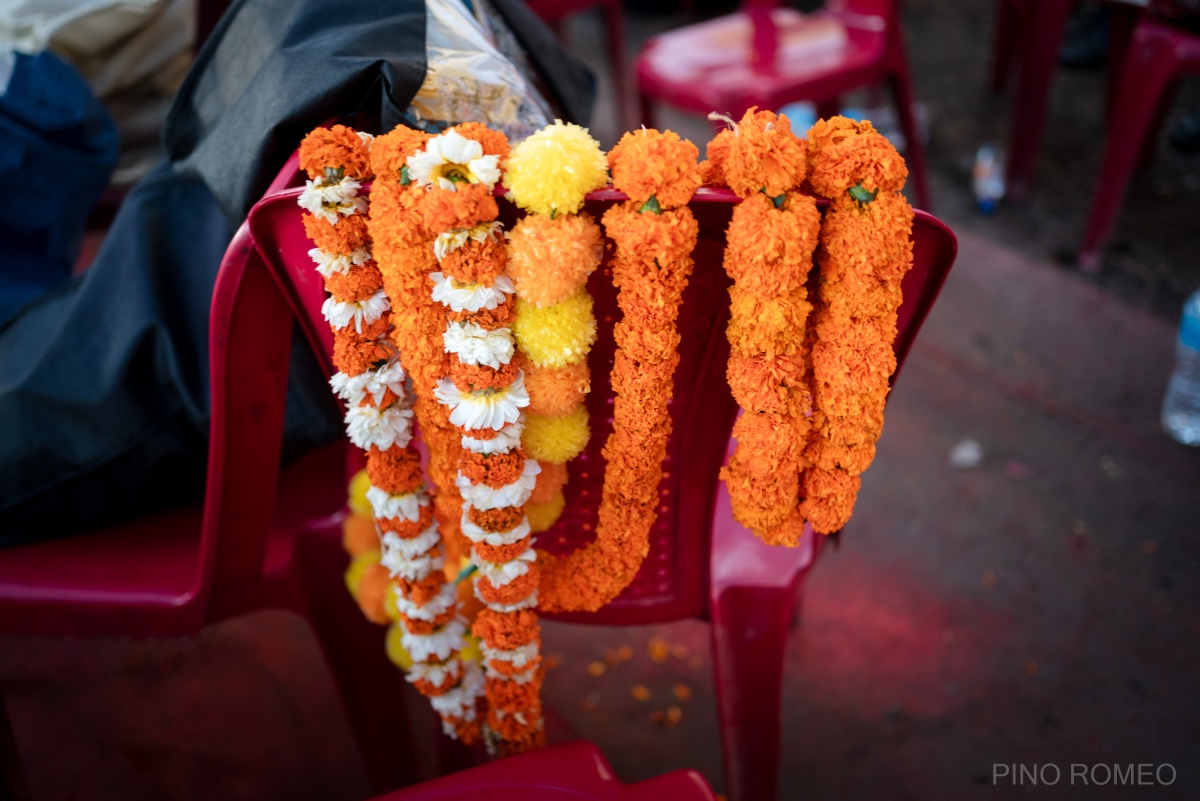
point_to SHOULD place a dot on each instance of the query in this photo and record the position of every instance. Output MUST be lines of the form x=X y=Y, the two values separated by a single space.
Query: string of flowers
x=655 y=234
x=865 y=251
x=768 y=254
x=484 y=391
x=551 y=253
x=428 y=638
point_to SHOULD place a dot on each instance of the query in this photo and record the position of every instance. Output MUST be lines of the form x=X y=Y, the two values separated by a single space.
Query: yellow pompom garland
x=552 y=251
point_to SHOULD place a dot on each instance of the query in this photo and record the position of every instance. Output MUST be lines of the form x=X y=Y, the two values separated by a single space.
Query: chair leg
x=1038 y=60
x=369 y=685
x=614 y=18
x=1150 y=67
x=750 y=628
x=12 y=776
x=1004 y=45
x=915 y=155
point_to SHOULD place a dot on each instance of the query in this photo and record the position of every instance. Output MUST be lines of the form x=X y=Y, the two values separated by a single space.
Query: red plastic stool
x=1159 y=53
x=575 y=771
x=768 y=56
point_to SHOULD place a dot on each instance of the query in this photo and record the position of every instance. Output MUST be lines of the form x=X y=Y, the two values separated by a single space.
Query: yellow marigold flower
x=358 y=502
x=556 y=439
x=550 y=259
x=556 y=335
x=544 y=515
x=395 y=647
x=647 y=163
x=552 y=171
x=358 y=568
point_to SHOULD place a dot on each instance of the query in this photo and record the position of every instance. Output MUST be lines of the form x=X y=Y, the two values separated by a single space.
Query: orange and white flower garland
x=484 y=392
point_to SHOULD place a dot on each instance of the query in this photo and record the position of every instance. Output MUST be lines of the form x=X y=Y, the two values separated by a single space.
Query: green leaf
x=405 y=180
x=651 y=206
x=860 y=194
x=465 y=574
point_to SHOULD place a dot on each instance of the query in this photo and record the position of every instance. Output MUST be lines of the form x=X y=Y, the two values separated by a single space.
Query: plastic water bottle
x=987 y=178
x=1181 y=406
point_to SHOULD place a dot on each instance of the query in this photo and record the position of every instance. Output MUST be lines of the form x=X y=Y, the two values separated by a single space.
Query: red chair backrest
x=673 y=582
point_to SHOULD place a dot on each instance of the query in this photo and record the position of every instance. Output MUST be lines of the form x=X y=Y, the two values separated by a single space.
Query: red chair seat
x=574 y=771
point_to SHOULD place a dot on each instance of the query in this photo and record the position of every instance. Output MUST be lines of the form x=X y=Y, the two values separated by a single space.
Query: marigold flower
x=647 y=163
x=763 y=155
x=555 y=391
x=551 y=258
x=333 y=148
x=471 y=204
x=551 y=171
x=390 y=151
x=556 y=439
x=542 y=516
x=556 y=335
x=395 y=470
x=549 y=482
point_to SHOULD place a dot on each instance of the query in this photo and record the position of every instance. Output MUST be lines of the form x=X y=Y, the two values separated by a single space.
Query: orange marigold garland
x=768 y=254
x=483 y=389
x=866 y=249
x=551 y=253
x=655 y=234
x=428 y=637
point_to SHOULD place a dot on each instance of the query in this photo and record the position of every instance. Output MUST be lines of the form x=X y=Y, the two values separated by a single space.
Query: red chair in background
x=1028 y=36
x=1159 y=53
x=555 y=11
x=701 y=564
x=575 y=771
x=768 y=56
x=263 y=539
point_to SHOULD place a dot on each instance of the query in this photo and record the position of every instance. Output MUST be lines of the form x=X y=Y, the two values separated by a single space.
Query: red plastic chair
x=575 y=771
x=1029 y=33
x=1159 y=53
x=555 y=11
x=768 y=56
x=262 y=539
x=701 y=564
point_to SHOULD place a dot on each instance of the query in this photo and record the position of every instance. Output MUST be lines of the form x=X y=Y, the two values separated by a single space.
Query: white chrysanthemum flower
x=437 y=646
x=373 y=383
x=383 y=428
x=397 y=547
x=474 y=344
x=505 y=440
x=494 y=538
x=519 y=657
x=492 y=409
x=505 y=572
x=528 y=602
x=332 y=199
x=449 y=241
x=483 y=497
x=366 y=311
x=450 y=159
x=330 y=263
x=412 y=568
x=406 y=506
x=470 y=297
x=368 y=139
x=435 y=672
x=441 y=603
x=460 y=701
x=519 y=678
